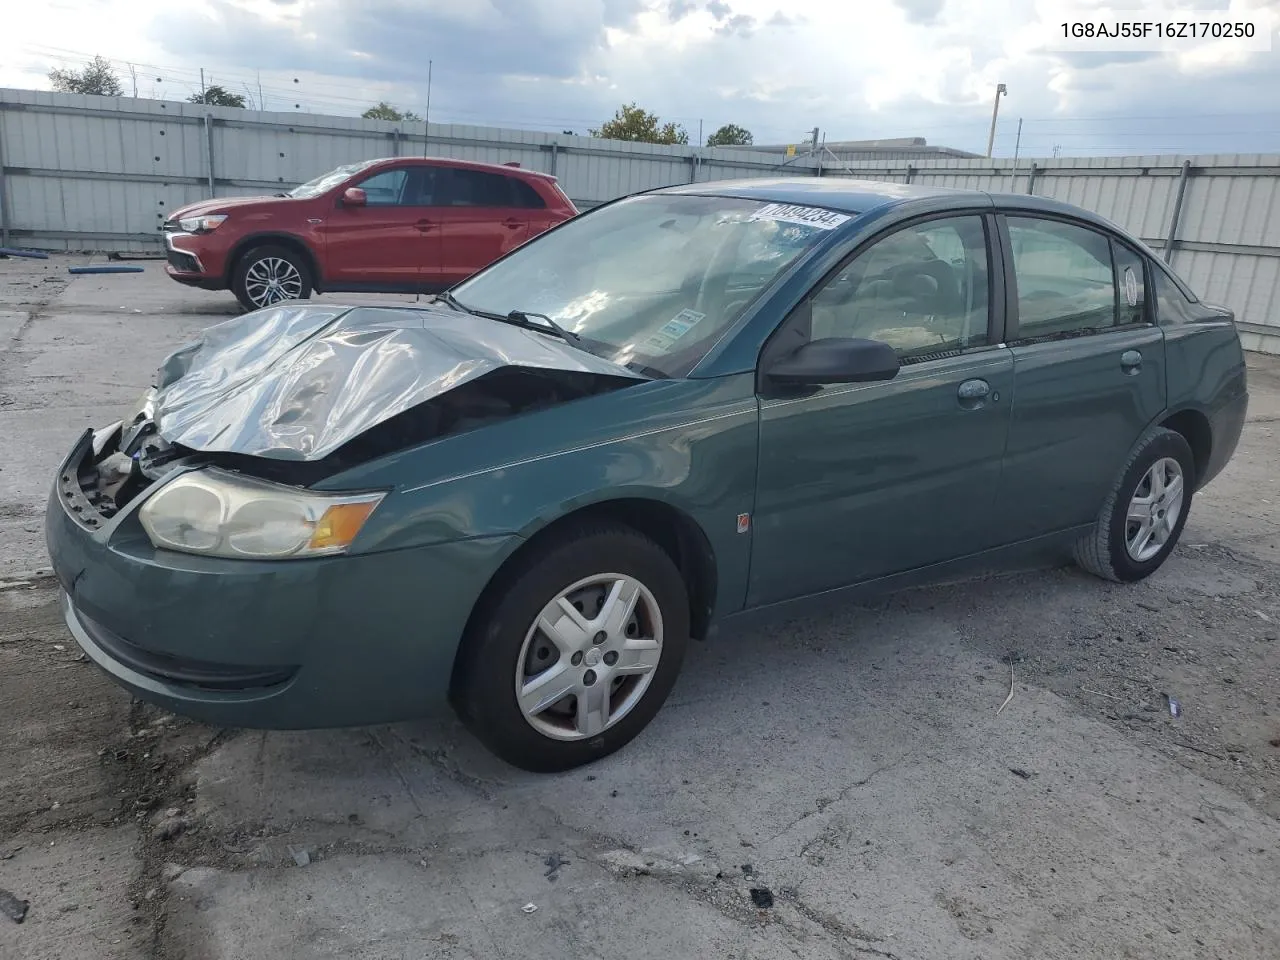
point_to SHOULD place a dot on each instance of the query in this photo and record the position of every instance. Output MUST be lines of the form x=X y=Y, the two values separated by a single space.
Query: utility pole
x=426 y=120
x=134 y=74
x=202 y=94
x=1001 y=90
x=813 y=144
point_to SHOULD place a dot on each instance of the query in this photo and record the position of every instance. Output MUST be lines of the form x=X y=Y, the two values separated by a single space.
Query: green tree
x=385 y=111
x=97 y=78
x=731 y=135
x=637 y=124
x=216 y=96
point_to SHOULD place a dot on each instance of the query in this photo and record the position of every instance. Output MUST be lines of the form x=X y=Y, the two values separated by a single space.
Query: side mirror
x=354 y=197
x=837 y=360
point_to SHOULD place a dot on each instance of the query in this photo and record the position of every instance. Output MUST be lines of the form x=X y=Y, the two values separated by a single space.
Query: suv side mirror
x=354 y=197
x=837 y=360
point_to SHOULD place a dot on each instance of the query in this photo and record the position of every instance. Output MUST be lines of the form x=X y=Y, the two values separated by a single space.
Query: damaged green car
x=674 y=412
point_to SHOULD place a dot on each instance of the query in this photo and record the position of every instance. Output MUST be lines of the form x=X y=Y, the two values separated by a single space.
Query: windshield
x=652 y=281
x=313 y=188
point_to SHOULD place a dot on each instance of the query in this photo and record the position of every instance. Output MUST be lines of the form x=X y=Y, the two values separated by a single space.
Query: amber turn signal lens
x=340 y=524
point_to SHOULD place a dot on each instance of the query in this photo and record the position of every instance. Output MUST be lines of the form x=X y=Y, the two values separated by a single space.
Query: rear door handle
x=424 y=225
x=512 y=223
x=973 y=393
x=1131 y=361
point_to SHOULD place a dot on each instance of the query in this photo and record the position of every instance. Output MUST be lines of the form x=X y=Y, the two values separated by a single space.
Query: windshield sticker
x=674 y=329
x=808 y=216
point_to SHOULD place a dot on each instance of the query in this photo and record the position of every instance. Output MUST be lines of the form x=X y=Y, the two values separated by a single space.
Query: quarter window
x=1065 y=277
x=1130 y=284
x=924 y=290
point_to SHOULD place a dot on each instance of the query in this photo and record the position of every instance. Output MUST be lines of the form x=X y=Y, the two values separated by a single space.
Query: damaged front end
x=298 y=393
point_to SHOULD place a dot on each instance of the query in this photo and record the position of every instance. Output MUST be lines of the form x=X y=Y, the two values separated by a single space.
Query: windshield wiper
x=454 y=302
x=522 y=317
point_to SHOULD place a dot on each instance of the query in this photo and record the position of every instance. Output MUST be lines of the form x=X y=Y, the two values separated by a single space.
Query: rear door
x=481 y=217
x=390 y=241
x=1089 y=370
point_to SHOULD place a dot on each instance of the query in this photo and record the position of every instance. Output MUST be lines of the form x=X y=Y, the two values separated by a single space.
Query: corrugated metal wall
x=81 y=172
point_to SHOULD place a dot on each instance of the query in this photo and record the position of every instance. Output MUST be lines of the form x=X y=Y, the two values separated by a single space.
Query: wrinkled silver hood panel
x=296 y=382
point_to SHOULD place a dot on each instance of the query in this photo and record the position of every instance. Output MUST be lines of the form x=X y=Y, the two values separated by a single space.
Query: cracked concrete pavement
x=851 y=764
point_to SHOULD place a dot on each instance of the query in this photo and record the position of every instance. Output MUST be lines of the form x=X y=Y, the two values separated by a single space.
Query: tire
x=1107 y=550
x=503 y=648
x=258 y=265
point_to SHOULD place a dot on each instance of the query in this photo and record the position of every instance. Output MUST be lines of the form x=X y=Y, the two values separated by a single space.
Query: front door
x=390 y=242
x=1089 y=371
x=858 y=481
x=480 y=219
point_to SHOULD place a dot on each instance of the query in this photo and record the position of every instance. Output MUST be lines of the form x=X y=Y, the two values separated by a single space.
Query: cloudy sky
x=854 y=68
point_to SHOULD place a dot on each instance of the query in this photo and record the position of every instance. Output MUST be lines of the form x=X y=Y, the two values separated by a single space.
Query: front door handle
x=512 y=223
x=973 y=393
x=1131 y=362
x=424 y=225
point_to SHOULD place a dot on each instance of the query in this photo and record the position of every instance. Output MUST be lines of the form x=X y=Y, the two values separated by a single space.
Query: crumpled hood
x=297 y=381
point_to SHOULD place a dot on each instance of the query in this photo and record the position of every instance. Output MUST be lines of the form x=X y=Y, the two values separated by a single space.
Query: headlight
x=201 y=224
x=144 y=406
x=217 y=513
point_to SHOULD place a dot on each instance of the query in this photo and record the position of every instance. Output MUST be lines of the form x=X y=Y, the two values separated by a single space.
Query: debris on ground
x=530 y=908
x=553 y=863
x=12 y=907
x=1019 y=772
x=169 y=827
x=1175 y=708
x=301 y=857
x=762 y=897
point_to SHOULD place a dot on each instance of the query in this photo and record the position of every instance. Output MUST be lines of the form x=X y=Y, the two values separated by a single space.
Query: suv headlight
x=216 y=513
x=201 y=224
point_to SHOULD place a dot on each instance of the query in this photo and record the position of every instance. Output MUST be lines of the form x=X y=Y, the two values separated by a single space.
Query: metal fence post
x=1177 y=211
x=555 y=152
x=208 y=142
x=911 y=172
x=4 y=187
x=1031 y=178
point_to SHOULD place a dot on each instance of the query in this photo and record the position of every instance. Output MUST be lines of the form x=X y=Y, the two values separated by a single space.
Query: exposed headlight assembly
x=216 y=513
x=201 y=224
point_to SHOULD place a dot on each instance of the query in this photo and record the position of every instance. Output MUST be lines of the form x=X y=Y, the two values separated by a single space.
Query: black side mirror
x=837 y=360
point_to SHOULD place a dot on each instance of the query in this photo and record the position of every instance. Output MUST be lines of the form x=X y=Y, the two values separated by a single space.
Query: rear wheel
x=577 y=650
x=1144 y=514
x=270 y=274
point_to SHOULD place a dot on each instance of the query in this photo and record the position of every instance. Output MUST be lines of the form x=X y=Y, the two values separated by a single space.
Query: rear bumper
x=331 y=642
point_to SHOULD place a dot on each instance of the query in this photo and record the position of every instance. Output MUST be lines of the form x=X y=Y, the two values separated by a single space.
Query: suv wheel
x=270 y=274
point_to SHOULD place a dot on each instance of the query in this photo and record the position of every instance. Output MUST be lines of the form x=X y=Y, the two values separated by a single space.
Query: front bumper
x=324 y=642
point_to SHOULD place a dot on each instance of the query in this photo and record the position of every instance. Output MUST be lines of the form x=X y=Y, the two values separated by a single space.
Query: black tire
x=1103 y=551
x=267 y=252
x=483 y=687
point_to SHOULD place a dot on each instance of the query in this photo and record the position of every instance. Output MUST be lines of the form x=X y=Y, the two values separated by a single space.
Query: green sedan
x=679 y=410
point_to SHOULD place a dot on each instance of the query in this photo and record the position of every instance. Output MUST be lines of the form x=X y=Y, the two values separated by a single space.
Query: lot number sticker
x=674 y=329
x=794 y=213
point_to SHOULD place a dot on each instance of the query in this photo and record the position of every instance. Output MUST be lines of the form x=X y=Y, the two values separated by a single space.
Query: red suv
x=402 y=225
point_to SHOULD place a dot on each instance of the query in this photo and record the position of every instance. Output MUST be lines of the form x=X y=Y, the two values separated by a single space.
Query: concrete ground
x=841 y=786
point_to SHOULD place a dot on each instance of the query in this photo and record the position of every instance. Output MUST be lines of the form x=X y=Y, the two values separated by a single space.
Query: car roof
x=504 y=168
x=849 y=195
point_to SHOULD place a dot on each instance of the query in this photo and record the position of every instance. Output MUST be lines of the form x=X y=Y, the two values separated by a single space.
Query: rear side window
x=525 y=195
x=1130 y=284
x=1066 y=279
x=473 y=188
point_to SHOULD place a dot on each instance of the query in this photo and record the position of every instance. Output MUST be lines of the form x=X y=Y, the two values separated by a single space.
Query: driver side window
x=923 y=290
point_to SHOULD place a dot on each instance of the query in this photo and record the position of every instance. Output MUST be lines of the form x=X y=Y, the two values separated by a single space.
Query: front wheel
x=1144 y=513
x=576 y=650
x=270 y=274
